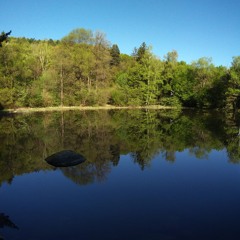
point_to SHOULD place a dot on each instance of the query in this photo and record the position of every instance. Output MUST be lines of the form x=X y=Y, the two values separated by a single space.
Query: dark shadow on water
x=5 y=221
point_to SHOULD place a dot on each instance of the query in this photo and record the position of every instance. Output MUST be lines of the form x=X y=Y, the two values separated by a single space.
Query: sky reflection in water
x=189 y=198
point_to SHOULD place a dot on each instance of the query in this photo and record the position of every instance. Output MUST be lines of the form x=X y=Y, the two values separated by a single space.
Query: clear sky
x=195 y=28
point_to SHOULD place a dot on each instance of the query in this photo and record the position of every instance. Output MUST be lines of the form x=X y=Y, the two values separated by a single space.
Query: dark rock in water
x=65 y=158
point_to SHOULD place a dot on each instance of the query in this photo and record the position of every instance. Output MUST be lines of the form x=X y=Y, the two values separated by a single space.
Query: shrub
x=170 y=101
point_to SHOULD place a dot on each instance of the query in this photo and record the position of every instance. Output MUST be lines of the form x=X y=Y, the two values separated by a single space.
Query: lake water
x=148 y=174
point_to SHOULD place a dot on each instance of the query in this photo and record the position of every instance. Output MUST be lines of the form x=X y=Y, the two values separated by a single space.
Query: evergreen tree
x=141 y=51
x=115 y=54
x=138 y=53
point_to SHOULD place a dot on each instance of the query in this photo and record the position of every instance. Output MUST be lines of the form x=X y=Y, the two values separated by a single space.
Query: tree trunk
x=89 y=83
x=61 y=79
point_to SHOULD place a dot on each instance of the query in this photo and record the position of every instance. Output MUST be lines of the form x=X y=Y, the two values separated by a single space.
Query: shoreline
x=81 y=108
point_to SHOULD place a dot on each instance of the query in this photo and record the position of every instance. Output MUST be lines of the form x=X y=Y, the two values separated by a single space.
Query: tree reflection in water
x=5 y=221
x=87 y=173
x=102 y=136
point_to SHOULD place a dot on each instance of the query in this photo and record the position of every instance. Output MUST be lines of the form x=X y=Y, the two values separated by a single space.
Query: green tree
x=41 y=89
x=203 y=70
x=63 y=73
x=79 y=35
x=140 y=84
x=217 y=92
x=101 y=71
x=15 y=74
x=171 y=56
x=83 y=64
x=182 y=84
x=115 y=54
x=233 y=91
x=168 y=74
x=138 y=53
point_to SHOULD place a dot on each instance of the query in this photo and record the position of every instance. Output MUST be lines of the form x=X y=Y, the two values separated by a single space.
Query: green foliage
x=115 y=54
x=139 y=53
x=170 y=101
x=233 y=91
x=82 y=67
x=203 y=80
x=171 y=56
x=79 y=35
x=118 y=97
x=182 y=83
x=142 y=81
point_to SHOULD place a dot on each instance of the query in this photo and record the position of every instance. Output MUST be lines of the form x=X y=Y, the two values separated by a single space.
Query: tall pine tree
x=115 y=54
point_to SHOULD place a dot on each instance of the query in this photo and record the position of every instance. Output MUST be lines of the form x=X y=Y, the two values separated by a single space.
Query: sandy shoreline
x=107 y=107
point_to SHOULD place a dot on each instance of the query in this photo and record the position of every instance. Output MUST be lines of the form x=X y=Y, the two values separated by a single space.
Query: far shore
x=65 y=108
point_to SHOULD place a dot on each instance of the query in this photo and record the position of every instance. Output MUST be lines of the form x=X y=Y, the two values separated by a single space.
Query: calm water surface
x=147 y=175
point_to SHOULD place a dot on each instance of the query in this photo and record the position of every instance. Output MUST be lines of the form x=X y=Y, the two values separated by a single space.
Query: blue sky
x=195 y=28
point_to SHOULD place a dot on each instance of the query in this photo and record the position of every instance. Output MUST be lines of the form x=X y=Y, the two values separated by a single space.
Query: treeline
x=83 y=69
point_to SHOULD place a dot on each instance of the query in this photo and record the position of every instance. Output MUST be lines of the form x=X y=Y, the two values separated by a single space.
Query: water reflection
x=102 y=136
x=5 y=221
x=87 y=173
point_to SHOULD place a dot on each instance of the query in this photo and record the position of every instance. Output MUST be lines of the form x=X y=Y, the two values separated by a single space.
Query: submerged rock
x=65 y=158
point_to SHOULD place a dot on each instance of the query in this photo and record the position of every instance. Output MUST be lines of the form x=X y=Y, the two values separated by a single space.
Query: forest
x=85 y=69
